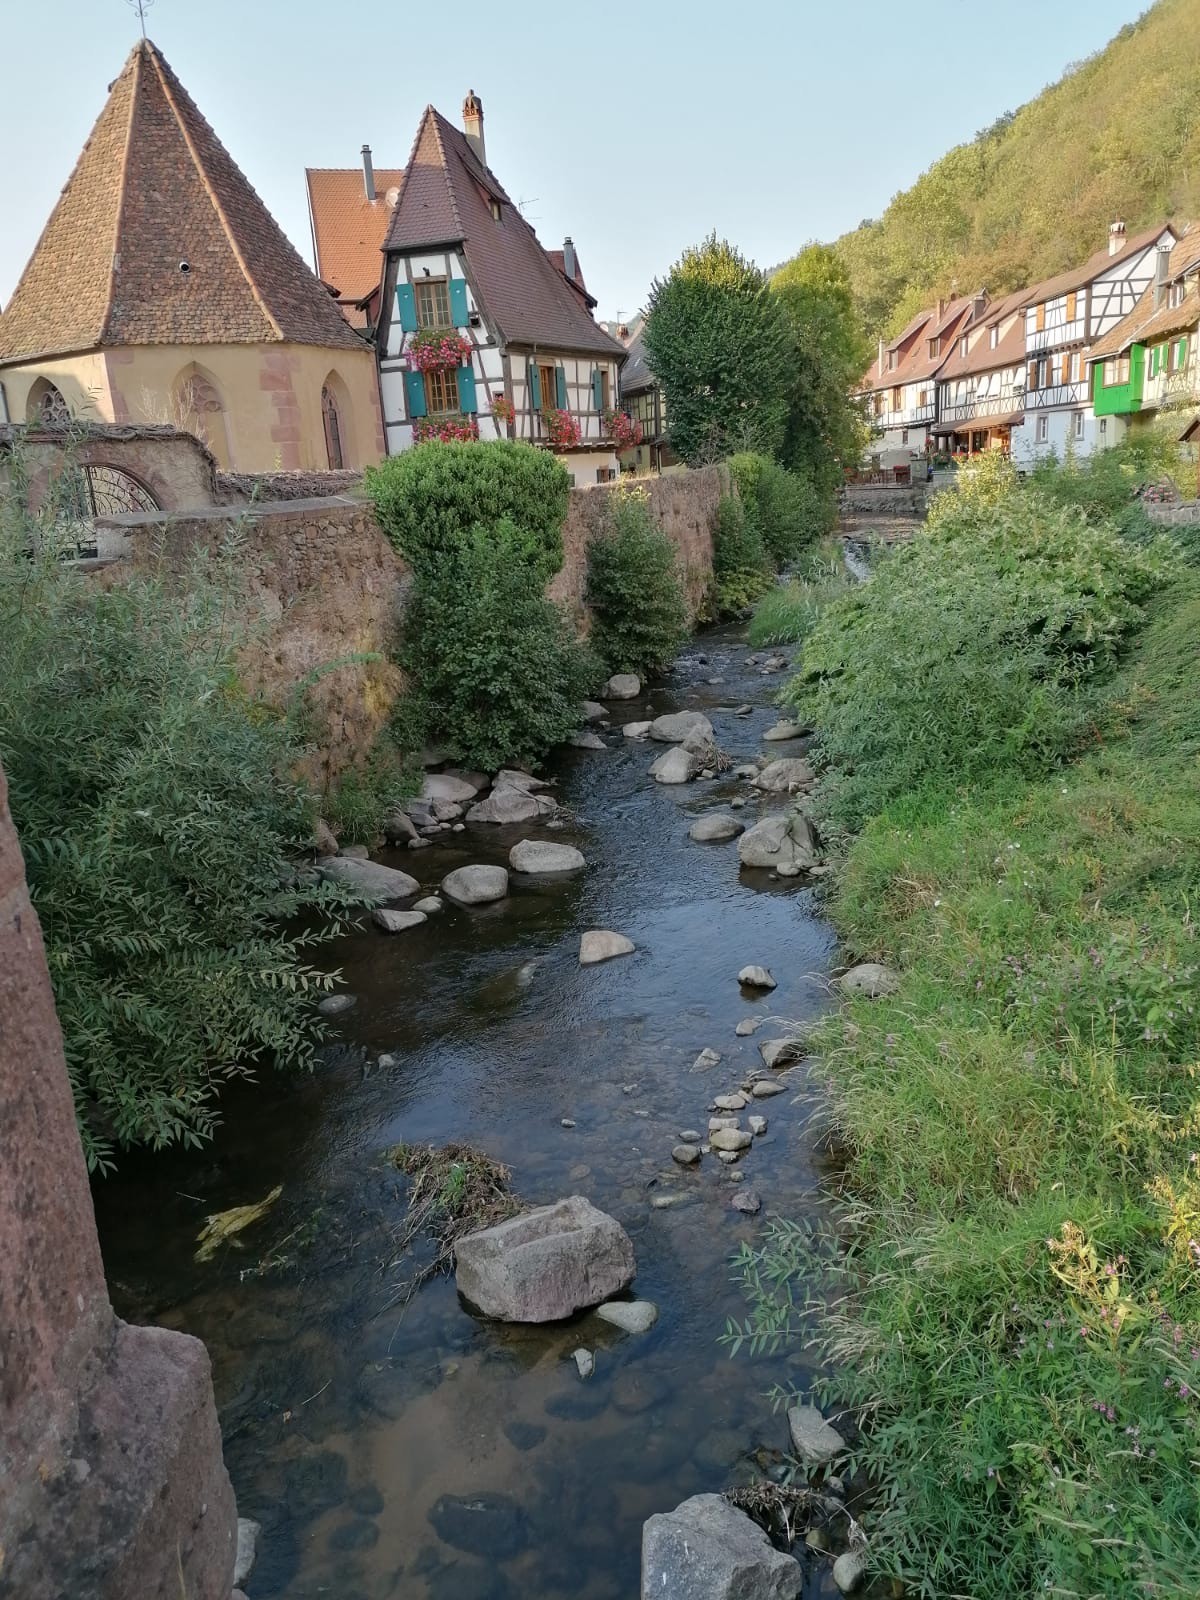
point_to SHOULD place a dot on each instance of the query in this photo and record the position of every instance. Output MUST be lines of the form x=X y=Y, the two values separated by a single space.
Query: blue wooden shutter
x=560 y=388
x=458 y=302
x=406 y=304
x=466 y=389
x=597 y=390
x=535 y=388
x=414 y=393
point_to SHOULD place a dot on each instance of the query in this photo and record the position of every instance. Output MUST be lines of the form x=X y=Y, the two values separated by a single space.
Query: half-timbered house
x=1064 y=316
x=900 y=390
x=644 y=401
x=483 y=334
x=981 y=386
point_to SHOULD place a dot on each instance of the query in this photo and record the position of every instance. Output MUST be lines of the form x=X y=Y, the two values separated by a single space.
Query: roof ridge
x=214 y=200
x=137 y=57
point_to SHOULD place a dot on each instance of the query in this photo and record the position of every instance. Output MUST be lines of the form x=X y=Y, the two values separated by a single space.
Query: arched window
x=198 y=409
x=331 y=418
x=46 y=405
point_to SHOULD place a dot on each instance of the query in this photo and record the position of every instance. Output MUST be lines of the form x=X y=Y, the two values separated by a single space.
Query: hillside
x=1118 y=136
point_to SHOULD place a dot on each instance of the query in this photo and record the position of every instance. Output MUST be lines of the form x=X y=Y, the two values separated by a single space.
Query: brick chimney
x=1116 y=238
x=1162 y=275
x=472 y=118
x=569 y=257
x=368 y=174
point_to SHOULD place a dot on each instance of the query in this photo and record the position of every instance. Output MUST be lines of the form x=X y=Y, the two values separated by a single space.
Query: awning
x=1012 y=419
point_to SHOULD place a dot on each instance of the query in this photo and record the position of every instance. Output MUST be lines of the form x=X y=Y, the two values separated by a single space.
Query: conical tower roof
x=158 y=238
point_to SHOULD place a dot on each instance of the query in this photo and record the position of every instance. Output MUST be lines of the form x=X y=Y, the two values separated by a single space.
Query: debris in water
x=220 y=1227
x=456 y=1190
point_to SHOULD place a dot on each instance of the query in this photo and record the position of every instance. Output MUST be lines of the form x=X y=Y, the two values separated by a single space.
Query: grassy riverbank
x=1019 y=1322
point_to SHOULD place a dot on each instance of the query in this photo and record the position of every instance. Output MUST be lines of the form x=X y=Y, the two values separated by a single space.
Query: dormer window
x=994 y=335
x=496 y=213
x=935 y=348
x=1175 y=297
x=962 y=345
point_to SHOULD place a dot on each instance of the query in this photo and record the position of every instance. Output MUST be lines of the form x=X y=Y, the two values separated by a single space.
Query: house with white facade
x=981 y=385
x=900 y=390
x=483 y=333
x=1064 y=317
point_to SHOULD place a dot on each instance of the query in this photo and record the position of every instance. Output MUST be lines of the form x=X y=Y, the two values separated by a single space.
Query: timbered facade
x=484 y=333
x=901 y=389
x=1066 y=315
x=981 y=387
x=1148 y=362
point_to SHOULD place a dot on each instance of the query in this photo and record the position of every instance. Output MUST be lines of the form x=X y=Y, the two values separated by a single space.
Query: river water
x=423 y=1453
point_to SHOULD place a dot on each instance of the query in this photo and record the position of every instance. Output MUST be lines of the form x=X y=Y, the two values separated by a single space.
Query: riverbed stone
x=445 y=786
x=784 y=730
x=781 y=1052
x=599 y=944
x=745 y=1027
x=429 y=904
x=507 y=803
x=539 y=856
x=785 y=839
x=675 y=726
x=724 y=1120
x=786 y=776
x=746 y=1200
x=399 y=828
x=849 y=1570
x=397 y=921
x=623 y=686
x=334 y=1004
x=690 y=1136
x=355 y=852
x=730 y=1102
x=814 y=1441
x=518 y=778
x=706 y=1549
x=475 y=885
x=869 y=980
x=715 y=828
x=631 y=1316
x=756 y=978
x=676 y=766
x=483 y=1524
x=545 y=1264
x=730 y=1139
x=686 y=1155
x=636 y=730
x=758 y=1126
x=585 y=739
x=744 y=711
x=368 y=878
x=765 y=1088
x=585 y=1362
x=248 y=1534
x=707 y=1058
x=593 y=711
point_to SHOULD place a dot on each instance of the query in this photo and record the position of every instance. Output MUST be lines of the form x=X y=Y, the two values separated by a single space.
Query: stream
x=420 y=1452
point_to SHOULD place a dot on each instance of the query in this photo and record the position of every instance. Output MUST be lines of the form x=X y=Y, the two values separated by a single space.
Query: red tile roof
x=1093 y=267
x=946 y=324
x=154 y=188
x=446 y=199
x=980 y=356
x=348 y=229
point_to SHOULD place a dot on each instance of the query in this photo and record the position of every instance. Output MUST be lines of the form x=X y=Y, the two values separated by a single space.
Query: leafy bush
x=1015 y=1318
x=790 y=512
x=357 y=807
x=156 y=814
x=500 y=673
x=982 y=483
x=1105 y=483
x=788 y=613
x=429 y=499
x=967 y=650
x=741 y=567
x=634 y=589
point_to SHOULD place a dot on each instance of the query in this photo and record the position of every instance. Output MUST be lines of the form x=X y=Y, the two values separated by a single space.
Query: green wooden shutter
x=414 y=393
x=458 y=302
x=466 y=389
x=560 y=388
x=535 y=387
x=406 y=304
x=597 y=390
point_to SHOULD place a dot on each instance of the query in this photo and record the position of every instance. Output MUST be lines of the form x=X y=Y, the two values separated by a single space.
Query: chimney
x=368 y=173
x=942 y=303
x=1116 y=237
x=473 y=125
x=569 y=257
x=881 y=357
x=1162 y=275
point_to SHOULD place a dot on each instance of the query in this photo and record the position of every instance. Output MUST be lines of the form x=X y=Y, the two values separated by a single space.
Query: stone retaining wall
x=882 y=500
x=1183 y=515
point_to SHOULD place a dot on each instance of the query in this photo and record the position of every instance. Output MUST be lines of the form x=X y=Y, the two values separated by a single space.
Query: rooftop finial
x=141 y=7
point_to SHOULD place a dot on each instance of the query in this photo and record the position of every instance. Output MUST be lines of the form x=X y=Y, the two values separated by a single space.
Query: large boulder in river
x=785 y=840
x=515 y=778
x=509 y=804
x=674 y=727
x=475 y=885
x=536 y=855
x=545 y=1264
x=600 y=944
x=785 y=776
x=368 y=877
x=445 y=786
x=707 y=1549
x=715 y=827
x=676 y=766
x=623 y=686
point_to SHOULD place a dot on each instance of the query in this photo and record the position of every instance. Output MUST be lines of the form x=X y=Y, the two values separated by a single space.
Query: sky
x=637 y=132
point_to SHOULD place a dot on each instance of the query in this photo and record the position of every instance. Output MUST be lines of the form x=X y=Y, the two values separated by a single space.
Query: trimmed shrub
x=499 y=672
x=741 y=566
x=791 y=513
x=634 y=589
x=430 y=498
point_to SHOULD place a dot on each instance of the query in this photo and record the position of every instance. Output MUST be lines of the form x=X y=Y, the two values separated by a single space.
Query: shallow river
x=427 y=1454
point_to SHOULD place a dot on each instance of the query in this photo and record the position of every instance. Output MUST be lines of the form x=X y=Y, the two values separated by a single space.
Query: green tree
x=825 y=427
x=717 y=340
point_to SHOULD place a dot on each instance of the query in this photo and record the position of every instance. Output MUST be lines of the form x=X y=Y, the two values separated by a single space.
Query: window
x=935 y=348
x=1043 y=428
x=1103 y=426
x=496 y=212
x=904 y=436
x=1072 y=306
x=1077 y=424
x=333 y=430
x=433 y=303
x=897 y=398
x=605 y=474
x=1175 y=355
x=1175 y=297
x=1041 y=318
x=994 y=335
x=1043 y=373
x=962 y=347
x=46 y=404
x=605 y=389
x=548 y=384
x=441 y=392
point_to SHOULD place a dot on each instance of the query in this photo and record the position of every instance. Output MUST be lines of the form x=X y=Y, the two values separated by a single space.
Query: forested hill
x=1117 y=136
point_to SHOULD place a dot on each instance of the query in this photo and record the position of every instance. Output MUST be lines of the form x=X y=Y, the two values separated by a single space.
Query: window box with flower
x=562 y=428
x=445 y=430
x=624 y=431
x=504 y=411
x=437 y=349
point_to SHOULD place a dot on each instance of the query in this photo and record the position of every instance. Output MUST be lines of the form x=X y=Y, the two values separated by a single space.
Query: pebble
x=430 y=903
x=730 y=1139
x=736 y=803
x=567 y=1122
x=721 y=1122
x=686 y=1155
x=758 y=1126
x=385 y=1062
x=748 y=1202
x=459 y=827
x=787 y=869
x=744 y=711
x=730 y=1102
x=585 y=1362
x=849 y=1570
x=747 y=1026
x=334 y=1004
x=735 y=1177
x=765 y=1088
x=664 y=1202
x=396 y=921
x=632 y=1316
x=690 y=1136
x=581 y=1171
x=418 y=844
x=599 y=944
x=728 y=1156
x=817 y=1538
x=707 y=1058
x=756 y=978
x=629 y=1088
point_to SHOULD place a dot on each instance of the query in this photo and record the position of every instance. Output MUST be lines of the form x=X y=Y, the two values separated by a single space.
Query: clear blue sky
x=636 y=130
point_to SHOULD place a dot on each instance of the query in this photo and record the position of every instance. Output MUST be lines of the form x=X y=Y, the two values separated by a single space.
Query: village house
x=645 y=403
x=483 y=333
x=1064 y=316
x=163 y=291
x=981 y=385
x=1147 y=363
x=349 y=212
x=900 y=389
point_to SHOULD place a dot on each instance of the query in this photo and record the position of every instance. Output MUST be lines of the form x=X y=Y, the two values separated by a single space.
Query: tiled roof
x=1144 y=325
x=946 y=324
x=446 y=198
x=1092 y=268
x=154 y=188
x=980 y=356
x=348 y=229
x=636 y=374
x=559 y=258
